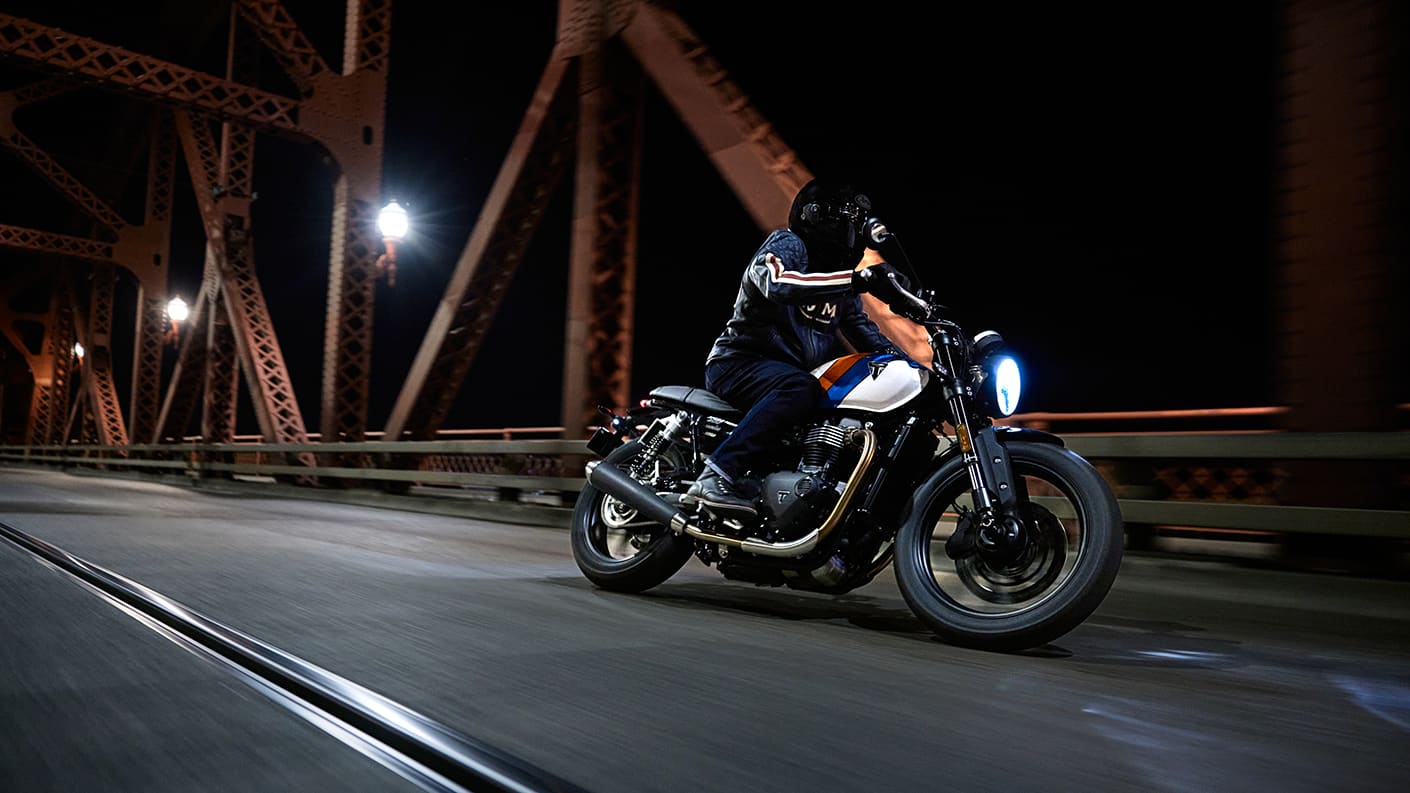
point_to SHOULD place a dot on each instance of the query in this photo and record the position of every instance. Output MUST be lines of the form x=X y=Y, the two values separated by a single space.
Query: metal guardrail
x=509 y=467
x=1118 y=455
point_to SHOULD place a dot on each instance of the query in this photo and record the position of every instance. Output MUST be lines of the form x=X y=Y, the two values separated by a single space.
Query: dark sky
x=1094 y=183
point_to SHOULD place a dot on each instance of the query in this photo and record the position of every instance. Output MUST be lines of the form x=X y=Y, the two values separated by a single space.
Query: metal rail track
x=429 y=754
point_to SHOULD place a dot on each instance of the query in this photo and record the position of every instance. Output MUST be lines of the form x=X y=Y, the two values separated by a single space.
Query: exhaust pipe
x=612 y=480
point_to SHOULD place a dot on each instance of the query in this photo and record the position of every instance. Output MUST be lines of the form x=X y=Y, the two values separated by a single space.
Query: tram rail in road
x=425 y=752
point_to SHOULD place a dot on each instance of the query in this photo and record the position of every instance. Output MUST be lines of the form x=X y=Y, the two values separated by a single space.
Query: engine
x=798 y=499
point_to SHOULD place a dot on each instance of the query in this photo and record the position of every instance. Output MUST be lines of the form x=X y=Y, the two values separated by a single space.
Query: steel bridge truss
x=340 y=111
x=585 y=119
x=586 y=111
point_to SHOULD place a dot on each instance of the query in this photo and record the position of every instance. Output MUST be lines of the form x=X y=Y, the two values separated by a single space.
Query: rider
x=799 y=291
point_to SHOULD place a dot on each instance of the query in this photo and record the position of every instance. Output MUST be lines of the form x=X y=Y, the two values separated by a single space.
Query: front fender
x=1004 y=435
x=990 y=445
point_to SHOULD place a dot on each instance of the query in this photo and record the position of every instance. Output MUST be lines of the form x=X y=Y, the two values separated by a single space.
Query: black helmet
x=831 y=217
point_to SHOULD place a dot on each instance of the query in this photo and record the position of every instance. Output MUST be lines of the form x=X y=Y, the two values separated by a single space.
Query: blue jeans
x=775 y=396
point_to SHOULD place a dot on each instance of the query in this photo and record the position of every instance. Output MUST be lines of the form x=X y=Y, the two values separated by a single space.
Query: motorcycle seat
x=696 y=399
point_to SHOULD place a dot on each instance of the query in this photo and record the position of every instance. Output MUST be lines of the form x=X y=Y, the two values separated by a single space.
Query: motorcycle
x=1001 y=538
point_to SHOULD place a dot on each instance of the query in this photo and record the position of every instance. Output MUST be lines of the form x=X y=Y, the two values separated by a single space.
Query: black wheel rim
x=1026 y=577
x=1058 y=540
x=615 y=530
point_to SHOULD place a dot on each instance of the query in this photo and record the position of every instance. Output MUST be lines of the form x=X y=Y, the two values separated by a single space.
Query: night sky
x=1097 y=184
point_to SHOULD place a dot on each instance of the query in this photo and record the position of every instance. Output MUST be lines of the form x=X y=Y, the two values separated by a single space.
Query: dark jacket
x=786 y=311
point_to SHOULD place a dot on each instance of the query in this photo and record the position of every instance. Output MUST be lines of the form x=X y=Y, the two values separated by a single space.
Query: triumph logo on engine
x=877 y=367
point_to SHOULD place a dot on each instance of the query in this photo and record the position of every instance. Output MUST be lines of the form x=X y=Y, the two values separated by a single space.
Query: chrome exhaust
x=615 y=482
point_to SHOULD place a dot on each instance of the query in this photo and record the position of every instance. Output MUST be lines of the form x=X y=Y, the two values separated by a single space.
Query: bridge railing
x=1226 y=480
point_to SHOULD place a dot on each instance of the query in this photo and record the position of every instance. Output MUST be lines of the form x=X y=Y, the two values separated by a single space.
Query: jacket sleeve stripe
x=778 y=274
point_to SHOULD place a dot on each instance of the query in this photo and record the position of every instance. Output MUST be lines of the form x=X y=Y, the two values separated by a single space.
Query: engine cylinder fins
x=821 y=445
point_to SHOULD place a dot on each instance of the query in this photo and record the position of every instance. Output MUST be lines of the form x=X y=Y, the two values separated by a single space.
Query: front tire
x=614 y=546
x=1075 y=549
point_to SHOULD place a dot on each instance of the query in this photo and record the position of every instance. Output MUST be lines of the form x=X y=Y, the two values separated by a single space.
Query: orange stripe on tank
x=838 y=368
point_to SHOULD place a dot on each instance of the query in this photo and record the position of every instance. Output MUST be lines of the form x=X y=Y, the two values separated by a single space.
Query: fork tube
x=972 y=462
x=959 y=417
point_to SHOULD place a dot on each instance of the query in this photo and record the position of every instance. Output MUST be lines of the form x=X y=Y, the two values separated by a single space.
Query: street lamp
x=177 y=312
x=78 y=351
x=393 y=224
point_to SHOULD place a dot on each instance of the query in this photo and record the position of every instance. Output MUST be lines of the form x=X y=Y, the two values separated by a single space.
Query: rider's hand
x=862 y=280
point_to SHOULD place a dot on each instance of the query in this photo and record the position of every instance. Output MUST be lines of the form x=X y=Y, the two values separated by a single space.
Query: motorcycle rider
x=800 y=291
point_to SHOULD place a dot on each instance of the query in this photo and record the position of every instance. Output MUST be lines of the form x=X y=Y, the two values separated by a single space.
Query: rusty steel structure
x=586 y=114
x=1342 y=280
x=584 y=122
x=141 y=249
x=584 y=126
x=214 y=121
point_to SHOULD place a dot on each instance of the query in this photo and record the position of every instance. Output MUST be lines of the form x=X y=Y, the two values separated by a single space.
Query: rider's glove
x=861 y=281
x=890 y=287
x=880 y=279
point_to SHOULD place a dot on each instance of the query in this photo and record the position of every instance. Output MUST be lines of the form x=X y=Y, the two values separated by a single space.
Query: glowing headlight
x=998 y=377
x=1007 y=385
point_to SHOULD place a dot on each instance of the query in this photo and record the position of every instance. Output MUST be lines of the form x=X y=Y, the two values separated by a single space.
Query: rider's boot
x=718 y=495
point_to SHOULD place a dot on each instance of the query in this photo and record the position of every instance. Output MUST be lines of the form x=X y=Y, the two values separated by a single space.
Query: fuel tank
x=877 y=382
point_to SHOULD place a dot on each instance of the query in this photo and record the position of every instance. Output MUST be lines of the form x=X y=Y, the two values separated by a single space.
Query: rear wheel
x=1032 y=592
x=617 y=548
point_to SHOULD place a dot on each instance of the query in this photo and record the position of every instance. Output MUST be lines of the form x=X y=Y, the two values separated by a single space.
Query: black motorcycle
x=1002 y=538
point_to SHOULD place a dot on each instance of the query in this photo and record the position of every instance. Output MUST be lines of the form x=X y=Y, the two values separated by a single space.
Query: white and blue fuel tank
x=876 y=382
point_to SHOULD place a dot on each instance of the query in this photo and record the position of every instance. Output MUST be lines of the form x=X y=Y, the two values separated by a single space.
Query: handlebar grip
x=904 y=302
x=884 y=282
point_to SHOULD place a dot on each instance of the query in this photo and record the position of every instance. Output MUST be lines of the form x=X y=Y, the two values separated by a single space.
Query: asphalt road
x=1192 y=676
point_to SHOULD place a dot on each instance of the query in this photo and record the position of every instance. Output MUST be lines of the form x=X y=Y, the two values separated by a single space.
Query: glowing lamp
x=392 y=221
x=177 y=310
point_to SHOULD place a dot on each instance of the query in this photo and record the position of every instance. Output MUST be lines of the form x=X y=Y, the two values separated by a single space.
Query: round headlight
x=1007 y=384
x=986 y=343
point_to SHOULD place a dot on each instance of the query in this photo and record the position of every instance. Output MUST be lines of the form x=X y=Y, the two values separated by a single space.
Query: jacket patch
x=824 y=314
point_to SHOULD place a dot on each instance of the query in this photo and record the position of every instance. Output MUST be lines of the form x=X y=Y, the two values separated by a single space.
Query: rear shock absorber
x=662 y=432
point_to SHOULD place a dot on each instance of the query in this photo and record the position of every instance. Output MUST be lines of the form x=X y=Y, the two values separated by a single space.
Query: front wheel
x=1070 y=554
x=616 y=547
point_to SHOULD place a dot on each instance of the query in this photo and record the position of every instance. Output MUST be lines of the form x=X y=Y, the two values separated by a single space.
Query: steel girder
x=152 y=291
x=187 y=385
x=1340 y=280
x=602 y=264
x=764 y=173
x=762 y=170
x=98 y=395
x=49 y=402
x=236 y=316
x=537 y=160
x=341 y=112
x=140 y=249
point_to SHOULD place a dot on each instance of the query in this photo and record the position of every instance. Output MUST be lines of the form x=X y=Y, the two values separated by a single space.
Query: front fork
x=997 y=531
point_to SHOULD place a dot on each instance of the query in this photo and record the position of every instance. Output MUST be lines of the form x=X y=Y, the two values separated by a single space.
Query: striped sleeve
x=779 y=274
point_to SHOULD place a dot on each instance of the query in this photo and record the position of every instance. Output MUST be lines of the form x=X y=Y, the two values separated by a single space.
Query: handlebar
x=886 y=286
x=885 y=282
x=912 y=307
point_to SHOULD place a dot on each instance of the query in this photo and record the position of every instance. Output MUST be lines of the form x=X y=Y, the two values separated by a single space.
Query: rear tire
x=614 y=546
